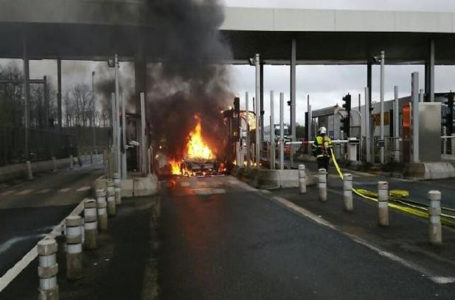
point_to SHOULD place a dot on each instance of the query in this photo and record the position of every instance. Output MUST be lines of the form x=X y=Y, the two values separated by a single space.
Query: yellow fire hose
x=398 y=197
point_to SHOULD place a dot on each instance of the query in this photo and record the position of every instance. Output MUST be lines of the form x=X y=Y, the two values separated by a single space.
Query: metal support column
x=123 y=148
x=59 y=92
x=117 y=117
x=143 y=137
x=46 y=102
x=272 y=131
x=261 y=83
x=367 y=127
x=382 y=146
x=415 y=116
x=396 y=126
x=293 y=96
x=281 y=140
x=26 y=97
x=369 y=81
x=429 y=73
x=310 y=121
x=258 y=109
x=248 y=145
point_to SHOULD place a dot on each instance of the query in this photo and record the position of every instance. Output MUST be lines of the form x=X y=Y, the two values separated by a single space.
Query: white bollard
x=347 y=192
x=73 y=247
x=322 y=185
x=383 y=203
x=29 y=170
x=102 y=212
x=90 y=224
x=71 y=162
x=47 y=269
x=118 y=189
x=302 y=179
x=110 y=197
x=434 y=213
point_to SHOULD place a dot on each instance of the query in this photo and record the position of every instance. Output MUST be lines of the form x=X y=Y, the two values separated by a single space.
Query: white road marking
x=209 y=191
x=83 y=189
x=8 y=193
x=24 y=192
x=64 y=190
x=319 y=220
x=44 y=191
x=12 y=273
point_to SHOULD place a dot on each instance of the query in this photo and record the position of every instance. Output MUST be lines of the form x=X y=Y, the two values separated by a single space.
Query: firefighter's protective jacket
x=321 y=146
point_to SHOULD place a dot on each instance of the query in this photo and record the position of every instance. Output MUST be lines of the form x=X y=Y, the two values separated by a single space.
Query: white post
x=272 y=131
x=444 y=140
x=302 y=179
x=143 y=137
x=118 y=189
x=415 y=116
x=90 y=224
x=248 y=145
x=258 y=109
x=124 y=166
x=367 y=127
x=47 y=269
x=347 y=192
x=74 y=269
x=322 y=184
x=71 y=162
x=111 y=207
x=29 y=170
x=434 y=212
x=281 y=140
x=383 y=203
x=382 y=152
x=102 y=213
x=396 y=127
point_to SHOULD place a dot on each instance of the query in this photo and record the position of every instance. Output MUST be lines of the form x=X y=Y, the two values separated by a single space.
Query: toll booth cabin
x=436 y=120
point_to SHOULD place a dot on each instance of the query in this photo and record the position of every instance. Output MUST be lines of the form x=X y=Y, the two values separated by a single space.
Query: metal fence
x=42 y=145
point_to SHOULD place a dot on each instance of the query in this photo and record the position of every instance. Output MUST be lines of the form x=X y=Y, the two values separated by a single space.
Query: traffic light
x=347 y=103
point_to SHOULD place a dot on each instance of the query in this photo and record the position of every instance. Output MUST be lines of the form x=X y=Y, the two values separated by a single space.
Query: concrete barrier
x=302 y=179
x=102 y=212
x=347 y=192
x=17 y=171
x=322 y=185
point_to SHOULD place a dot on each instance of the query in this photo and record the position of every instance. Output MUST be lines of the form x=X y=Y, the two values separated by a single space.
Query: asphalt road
x=222 y=241
x=30 y=209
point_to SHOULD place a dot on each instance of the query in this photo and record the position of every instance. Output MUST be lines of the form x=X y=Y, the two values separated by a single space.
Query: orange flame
x=196 y=147
x=175 y=167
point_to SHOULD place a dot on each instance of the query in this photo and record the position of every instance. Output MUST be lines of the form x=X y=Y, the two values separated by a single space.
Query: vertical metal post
x=26 y=97
x=396 y=125
x=46 y=102
x=429 y=73
x=369 y=81
x=272 y=131
x=143 y=137
x=310 y=120
x=248 y=143
x=93 y=112
x=281 y=141
x=261 y=100
x=382 y=152
x=117 y=117
x=258 y=109
x=124 y=167
x=59 y=92
x=114 y=133
x=415 y=116
x=293 y=96
x=367 y=127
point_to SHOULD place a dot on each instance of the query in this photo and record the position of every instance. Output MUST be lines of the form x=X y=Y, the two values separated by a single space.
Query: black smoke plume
x=190 y=78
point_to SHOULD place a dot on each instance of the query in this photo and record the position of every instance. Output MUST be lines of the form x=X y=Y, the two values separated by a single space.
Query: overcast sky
x=326 y=85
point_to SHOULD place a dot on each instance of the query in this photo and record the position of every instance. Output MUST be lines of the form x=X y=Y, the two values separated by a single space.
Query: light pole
x=382 y=144
x=93 y=113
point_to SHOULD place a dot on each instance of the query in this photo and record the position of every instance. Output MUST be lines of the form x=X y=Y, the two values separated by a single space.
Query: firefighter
x=321 y=149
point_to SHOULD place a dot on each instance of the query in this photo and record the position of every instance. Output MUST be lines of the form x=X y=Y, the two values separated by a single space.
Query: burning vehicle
x=199 y=159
